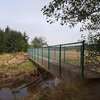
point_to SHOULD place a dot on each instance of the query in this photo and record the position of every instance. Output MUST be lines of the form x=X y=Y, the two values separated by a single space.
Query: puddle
x=12 y=94
x=8 y=94
x=50 y=83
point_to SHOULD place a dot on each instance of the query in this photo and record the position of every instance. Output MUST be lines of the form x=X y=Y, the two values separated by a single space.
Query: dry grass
x=14 y=67
x=72 y=55
x=15 y=63
x=14 y=58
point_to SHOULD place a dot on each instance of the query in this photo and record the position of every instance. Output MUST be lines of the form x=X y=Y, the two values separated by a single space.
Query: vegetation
x=15 y=69
x=93 y=50
x=71 y=12
x=38 y=42
x=12 y=41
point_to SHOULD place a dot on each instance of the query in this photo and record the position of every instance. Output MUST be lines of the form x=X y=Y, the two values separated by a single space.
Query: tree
x=1 y=41
x=71 y=12
x=92 y=49
x=12 y=41
x=38 y=42
x=97 y=42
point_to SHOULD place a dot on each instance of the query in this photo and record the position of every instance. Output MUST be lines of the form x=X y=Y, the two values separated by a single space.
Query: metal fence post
x=37 y=54
x=48 y=57
x=34 y=53
x=64 y=55
x=60 y=61
x=42 y=55
x=82 y=59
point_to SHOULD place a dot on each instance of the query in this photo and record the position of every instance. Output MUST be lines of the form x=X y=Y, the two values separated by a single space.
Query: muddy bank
x=25 y=91
x=15 y=69
x=20 y=77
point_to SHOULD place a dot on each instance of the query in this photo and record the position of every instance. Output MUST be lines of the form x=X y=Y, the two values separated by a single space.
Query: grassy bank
x=15 y=68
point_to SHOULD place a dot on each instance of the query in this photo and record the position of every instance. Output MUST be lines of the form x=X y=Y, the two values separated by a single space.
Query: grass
x=15 y=67
x=10 y=63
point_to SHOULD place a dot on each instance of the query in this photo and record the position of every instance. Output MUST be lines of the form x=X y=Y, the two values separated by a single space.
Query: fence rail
x=59 y=58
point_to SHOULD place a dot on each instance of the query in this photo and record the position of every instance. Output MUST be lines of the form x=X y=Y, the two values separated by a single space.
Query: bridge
x=67 y=60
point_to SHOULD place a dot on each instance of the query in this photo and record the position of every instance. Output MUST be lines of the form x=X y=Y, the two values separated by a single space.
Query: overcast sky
x=26 y=16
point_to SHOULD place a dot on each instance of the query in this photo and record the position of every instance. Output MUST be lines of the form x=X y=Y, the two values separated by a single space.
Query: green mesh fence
x=69 y=59
x=59 y=58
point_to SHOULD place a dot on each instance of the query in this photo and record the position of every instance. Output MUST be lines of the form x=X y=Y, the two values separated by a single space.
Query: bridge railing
x=59 y=58
x=66 y=59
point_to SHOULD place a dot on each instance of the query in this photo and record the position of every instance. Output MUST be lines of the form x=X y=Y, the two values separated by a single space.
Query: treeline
x=12 y=41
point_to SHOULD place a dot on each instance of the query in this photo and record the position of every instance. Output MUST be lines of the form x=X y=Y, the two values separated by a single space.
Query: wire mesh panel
x=45 y=57
x=71 y=54
x=69 y=59
x=30 y=52
x=54 y=54
x=53 y=59
x=59 y=58
x=37 y=51
x=40 y=56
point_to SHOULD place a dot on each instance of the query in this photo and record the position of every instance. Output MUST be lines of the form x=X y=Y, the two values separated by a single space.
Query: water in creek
x=8 y=94
x=12 y=94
